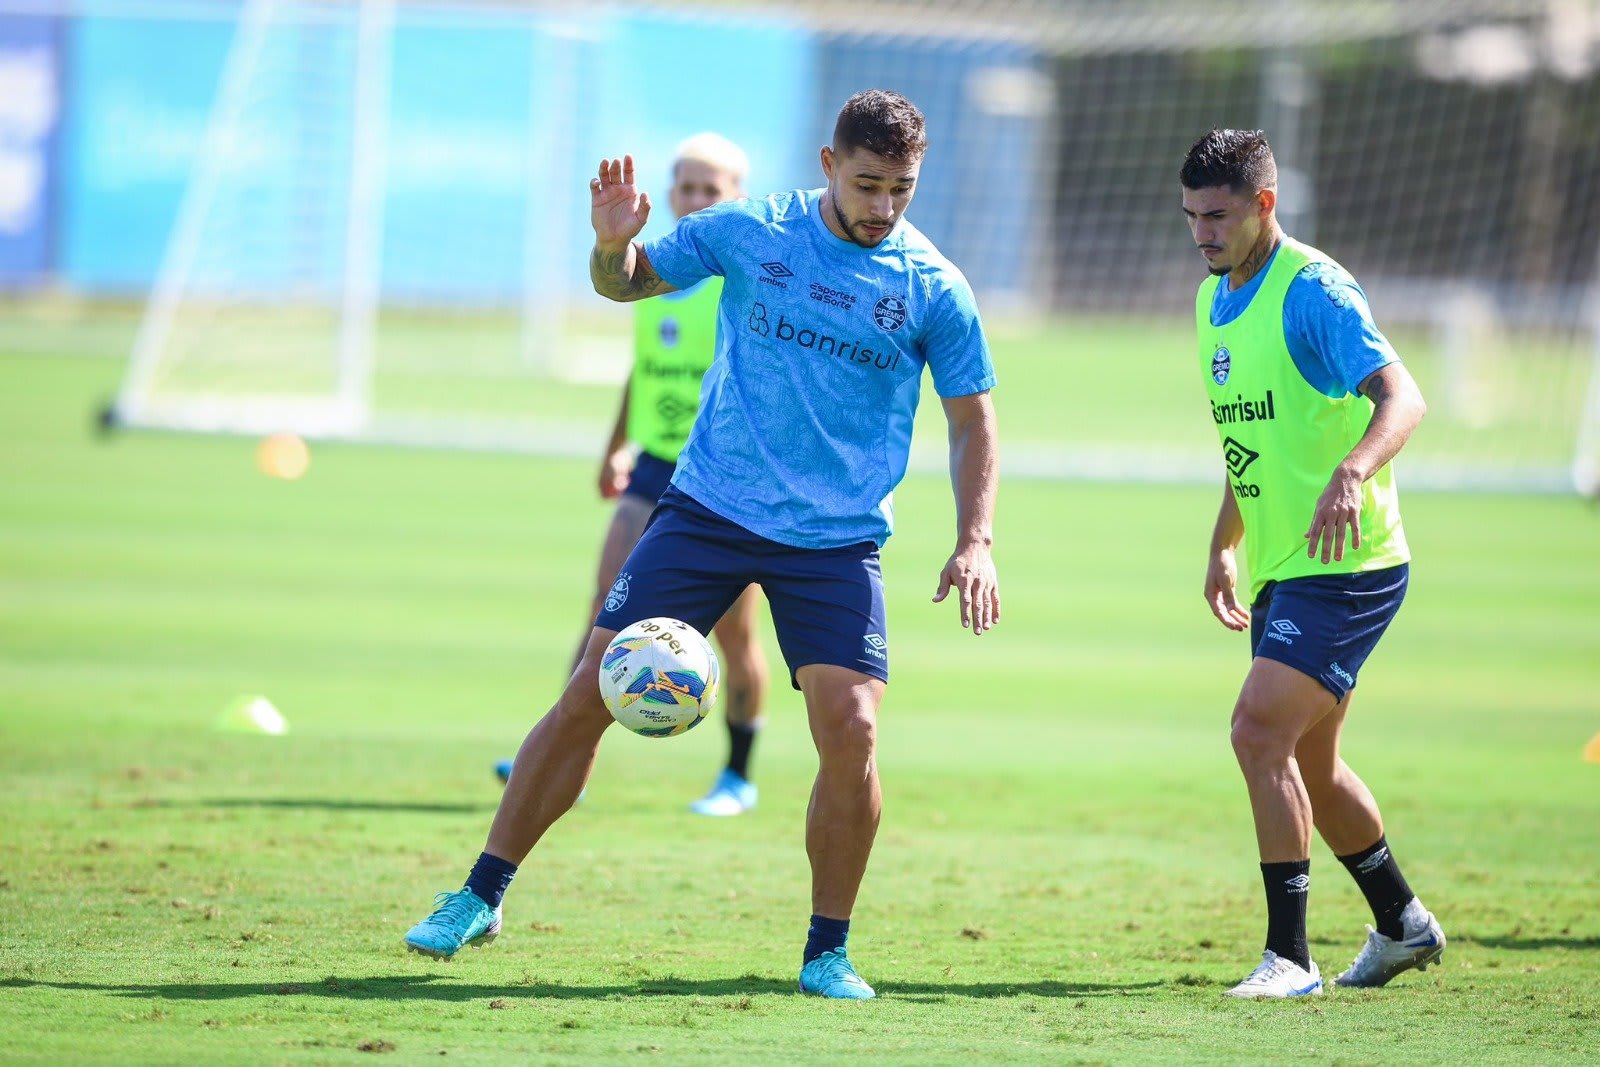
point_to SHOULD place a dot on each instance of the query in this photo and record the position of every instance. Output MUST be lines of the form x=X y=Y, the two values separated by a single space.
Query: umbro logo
x=1298 y=884
x=777 y=270
x=674 y=410
x=1374 y=861
x=1285 y=627
x=1238 y=457
x=876 y=643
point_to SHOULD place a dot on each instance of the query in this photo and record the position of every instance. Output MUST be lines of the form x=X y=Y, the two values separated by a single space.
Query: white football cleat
x=1382 y=958
x=1279 y=978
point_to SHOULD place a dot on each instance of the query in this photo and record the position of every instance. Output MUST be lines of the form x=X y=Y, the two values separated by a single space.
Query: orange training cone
x=283 y=455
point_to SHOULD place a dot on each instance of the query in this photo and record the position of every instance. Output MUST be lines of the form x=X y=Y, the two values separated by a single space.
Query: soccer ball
x=659 y=677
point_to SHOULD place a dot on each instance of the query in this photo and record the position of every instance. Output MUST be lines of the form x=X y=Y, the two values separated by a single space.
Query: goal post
x=230 y=341
x=291 y=282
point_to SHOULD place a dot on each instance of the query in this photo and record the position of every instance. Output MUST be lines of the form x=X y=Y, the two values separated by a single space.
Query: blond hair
x=714 y=150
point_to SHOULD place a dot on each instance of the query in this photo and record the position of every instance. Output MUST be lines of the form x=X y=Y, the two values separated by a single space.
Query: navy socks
x=489 y=878
x=825 y=936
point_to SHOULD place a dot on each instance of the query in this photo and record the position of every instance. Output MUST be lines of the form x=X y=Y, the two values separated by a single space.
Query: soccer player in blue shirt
x=1311 y=404
x=674 y=345
x=832 y=305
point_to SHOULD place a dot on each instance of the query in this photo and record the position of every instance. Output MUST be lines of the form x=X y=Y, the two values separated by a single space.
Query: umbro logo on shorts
x=876 y=644
x=1285 y=627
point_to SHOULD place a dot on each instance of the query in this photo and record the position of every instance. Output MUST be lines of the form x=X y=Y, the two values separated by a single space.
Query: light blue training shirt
x=1332 y=339
x=805 y=416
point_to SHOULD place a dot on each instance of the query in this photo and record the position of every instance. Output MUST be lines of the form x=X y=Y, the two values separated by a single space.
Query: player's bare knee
x=847 y=735
x=1257 y=740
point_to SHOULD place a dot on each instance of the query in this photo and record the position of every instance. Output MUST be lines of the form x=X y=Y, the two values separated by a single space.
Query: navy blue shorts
x=692 y=564
x=1327 y=625
x=650 y=478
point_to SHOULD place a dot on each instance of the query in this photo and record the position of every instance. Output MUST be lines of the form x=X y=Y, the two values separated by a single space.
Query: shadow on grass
x=1535 y=943
x=440 y=987
x=408 y=807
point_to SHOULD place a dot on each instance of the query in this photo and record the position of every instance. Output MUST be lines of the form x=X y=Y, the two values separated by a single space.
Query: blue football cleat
x=730 y=795
x=831 y=975
x=459 y=918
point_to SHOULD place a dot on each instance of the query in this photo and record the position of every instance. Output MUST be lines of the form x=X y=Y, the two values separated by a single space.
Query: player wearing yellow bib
x=674 y=342
x=1310 y=404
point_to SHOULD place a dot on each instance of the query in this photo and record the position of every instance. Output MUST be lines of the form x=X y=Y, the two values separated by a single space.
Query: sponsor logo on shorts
x=877 y=646
x=1342 y=673
x=1283 y=630
x=618 y=595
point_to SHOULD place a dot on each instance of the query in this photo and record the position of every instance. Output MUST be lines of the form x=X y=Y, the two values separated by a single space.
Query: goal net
x=366 y=247
x=384 y=234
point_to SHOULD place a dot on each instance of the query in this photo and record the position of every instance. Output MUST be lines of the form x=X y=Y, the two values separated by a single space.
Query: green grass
x=1066 y=869
x=1095 y=392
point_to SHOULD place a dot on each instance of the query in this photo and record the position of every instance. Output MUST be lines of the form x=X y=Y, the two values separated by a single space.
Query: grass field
x=1066 y=870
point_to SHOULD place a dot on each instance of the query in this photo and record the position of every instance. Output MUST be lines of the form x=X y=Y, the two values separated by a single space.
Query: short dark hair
x=1240 y=159
x=882 y=122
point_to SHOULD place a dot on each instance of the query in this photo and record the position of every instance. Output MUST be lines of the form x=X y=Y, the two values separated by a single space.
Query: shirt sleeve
x=692 y=249
x=954 y=345
x=1329 y=328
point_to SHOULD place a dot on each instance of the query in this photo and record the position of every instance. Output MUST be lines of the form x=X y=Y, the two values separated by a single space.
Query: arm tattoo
x=608 y=271
x=1376 y=388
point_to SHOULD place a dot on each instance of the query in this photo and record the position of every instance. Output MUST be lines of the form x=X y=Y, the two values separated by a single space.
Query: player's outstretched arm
x=1397 y=408
x=975 y=476
x=1222 y=564
x=618 y=211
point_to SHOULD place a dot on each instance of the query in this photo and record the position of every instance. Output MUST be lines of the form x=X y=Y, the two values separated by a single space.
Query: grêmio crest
x=1221 y=363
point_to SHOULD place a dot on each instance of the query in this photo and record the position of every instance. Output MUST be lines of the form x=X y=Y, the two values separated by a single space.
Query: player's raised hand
x=1338 y=509
x=970 y=572
x=1222 y=591
x=616 y=206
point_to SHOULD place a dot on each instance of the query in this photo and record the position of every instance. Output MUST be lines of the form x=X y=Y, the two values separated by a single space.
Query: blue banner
x=30 y=106
x=486 y=131
x=141 y=93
